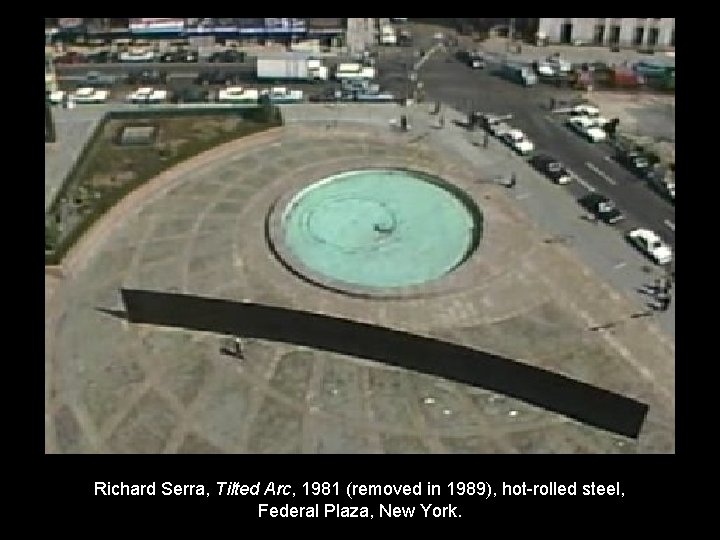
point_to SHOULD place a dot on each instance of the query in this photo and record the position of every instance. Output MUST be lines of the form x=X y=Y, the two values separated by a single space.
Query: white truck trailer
x=299 y=68
x=388 y=36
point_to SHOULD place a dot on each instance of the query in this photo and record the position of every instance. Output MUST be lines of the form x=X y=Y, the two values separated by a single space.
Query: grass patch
x=107 y=171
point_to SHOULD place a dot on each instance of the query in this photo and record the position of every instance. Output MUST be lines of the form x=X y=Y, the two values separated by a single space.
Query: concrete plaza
x=113 y=387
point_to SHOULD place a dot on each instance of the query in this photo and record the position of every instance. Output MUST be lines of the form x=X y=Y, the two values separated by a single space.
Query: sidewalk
x=74 y=128
x=530 y=53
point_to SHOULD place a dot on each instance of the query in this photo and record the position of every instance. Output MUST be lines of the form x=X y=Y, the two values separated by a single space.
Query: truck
x=291 y=67
x=388 y=36
x=354 y=70
x=519 y=74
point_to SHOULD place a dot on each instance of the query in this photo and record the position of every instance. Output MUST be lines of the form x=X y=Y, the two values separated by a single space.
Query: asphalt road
x=79 y=70
x=451 y=82
x=446 y=79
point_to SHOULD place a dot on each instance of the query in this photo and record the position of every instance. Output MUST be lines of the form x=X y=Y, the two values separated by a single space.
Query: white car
x=545 y=69
x=238 y=94
x=651 y=245
x=56 y=97
x=90 y=95
x=137 y=55
x=499 y=129
x=585 y=110
x=588 y=128
x=517 y=140
x=280 y=94
x=147 y=95
x=560 y=65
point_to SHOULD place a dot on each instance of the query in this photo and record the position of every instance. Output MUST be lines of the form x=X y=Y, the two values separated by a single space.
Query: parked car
x=560 y=65
x=103 y=57
x=147 y=95
x=495 y=124
x=518 y=141
x=545 y=69
x=56 y=97
x=238 y=94
x=281 y=94
x=585 y=109
x=602 y=208
x=651 y=69
x=147 y=76
x=551 y=168
x=179 y=57
x=90 y=95
x=98 y=79
x=328 y=95
x=662 y=180
x=217 y=77
x=473 y=59
x=588 y=128
x=71 y=58
x=190 y=94
x=651 y=245
x=229 y=56
x=137 y=55
x=405 y=38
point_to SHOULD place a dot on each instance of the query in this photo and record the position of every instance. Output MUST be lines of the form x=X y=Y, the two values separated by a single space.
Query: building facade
x=621 y=32
x=330 y=32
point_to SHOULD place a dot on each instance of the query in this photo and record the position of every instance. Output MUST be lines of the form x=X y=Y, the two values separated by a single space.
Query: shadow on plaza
x=580 y=401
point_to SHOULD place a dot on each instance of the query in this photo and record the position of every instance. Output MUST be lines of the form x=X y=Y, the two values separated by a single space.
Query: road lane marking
x=670 y=225
x=600 y=173
x=425 y=58
x=522 y=196
x=584 y=183
x=620 y=265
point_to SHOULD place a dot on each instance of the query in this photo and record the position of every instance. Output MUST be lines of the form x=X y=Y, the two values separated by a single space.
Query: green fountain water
x=381 y=228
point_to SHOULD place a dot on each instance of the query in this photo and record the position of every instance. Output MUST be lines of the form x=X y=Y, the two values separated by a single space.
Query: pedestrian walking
x=436 y=110
x=238 y=349
x=513 y=181
x=662 y=302
x=442 y=121
x=486 y=140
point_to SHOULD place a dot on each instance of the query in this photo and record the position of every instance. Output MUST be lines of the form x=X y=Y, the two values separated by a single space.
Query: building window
x=672 y=38
x=599 y=34
x=653 y=37
x=639 y=35
x=614 y=38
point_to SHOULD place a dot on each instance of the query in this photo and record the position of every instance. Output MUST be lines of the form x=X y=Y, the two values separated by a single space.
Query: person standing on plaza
x=238 y=348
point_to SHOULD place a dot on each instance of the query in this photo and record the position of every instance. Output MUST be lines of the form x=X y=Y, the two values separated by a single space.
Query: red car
x=71 y=58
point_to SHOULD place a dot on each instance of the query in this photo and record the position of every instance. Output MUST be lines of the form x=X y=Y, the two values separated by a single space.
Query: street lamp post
x=511 y=33
x=50 y=135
